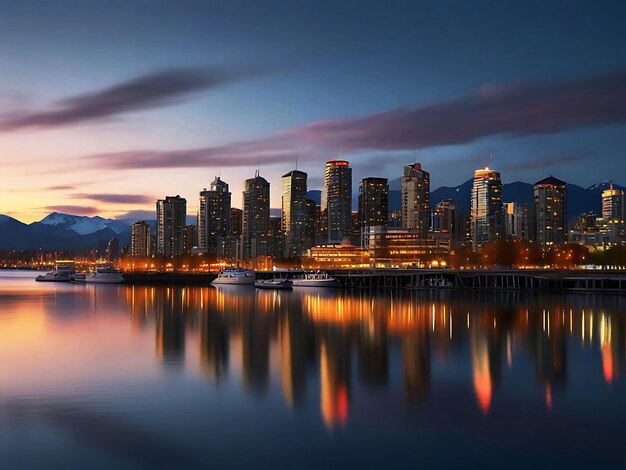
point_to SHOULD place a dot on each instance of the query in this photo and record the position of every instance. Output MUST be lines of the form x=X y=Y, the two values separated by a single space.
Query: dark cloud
x=512 y=109
x=117 y=198
x=62 y=187
x=75 y=210
x=544 y=162
x=155 y=90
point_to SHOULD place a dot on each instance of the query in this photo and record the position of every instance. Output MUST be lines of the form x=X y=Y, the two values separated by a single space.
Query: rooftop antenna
x=258 y=168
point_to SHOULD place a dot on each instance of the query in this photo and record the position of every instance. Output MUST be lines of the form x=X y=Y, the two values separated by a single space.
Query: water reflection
x=333 y=359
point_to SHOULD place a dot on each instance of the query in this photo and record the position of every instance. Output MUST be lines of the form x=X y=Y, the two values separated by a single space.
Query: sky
x=106 y=106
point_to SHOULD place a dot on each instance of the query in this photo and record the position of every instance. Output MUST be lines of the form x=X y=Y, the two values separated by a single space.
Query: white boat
x=236 y=277
x=63 y=272
x=102 y=275
x=316 y=279
x=273 y=284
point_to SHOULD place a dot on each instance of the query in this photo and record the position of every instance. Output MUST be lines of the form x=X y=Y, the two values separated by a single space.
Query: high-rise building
x=373 y=202
x=294 y=213
x=256 y=217
x=551 y=211
x=276 y=238
x=446 y=218
x=519 y=221
x=416 y=199
x=336 y=204
x=140 y=240
x=191 y=236
x=311 y=224
x=613 y=204
x=487 y=210
x=214 y=219
x=236 y=222
x=171 y=221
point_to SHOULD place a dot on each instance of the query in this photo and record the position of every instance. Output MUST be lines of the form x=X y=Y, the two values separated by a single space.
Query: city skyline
x=128 y=113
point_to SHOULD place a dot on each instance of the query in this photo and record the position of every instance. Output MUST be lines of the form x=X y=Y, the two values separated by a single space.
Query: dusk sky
x=107 y=106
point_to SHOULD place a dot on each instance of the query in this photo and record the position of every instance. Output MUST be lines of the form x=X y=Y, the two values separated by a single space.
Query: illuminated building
x=396 y=247
x=487 y=223
x=256 y=217
x=338 y=256
x=551 y=211
x=373 y=202
x=446 y=218
x=236 y=222
x=294 y=213
x=336 y=204
x=416 y=199
x=275 y=238
x=613 y=211
x=140 y=239
x=311 y=225
x=519 y=221
x=214 y=219
x=171 y=222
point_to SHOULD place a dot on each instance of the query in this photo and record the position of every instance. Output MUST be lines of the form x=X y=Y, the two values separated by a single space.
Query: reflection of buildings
x=612 y=347
x=416 y=365
x=255 y=332
x=214 y=344
x=373 y=353
x=485 y=352
x=334 y=379
x=296 y=348
x=170 y=327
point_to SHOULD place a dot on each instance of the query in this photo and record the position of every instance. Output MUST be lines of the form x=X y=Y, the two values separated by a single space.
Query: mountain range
x=59 y=231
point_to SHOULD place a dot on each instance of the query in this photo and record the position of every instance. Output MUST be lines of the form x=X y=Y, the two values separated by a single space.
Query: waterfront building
x=373 y=202
x=551 y=211
x=487 y=223
x=337 y=256
x=397 y=247
x=214 y=219
x=294 y=213
x=171 y=217
x=256 y=217
x=613 y=210
x=416 y=199
x=446 y=218
x=336 y=206
x=140 y=239
x=519 y=221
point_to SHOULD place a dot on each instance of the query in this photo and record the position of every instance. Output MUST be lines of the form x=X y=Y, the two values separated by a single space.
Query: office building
x=140 y=239
x=487 y=221
x=336 y=206
x=294 y=213
x=256 y=217
x=171 y=222
x=446 y=218
x=551 y=211
x=214 y=219
x=519 y=221
x=415 y=192
x=373 y=207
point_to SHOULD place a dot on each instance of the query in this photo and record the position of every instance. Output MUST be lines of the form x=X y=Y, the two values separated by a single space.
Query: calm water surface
x=184 y=377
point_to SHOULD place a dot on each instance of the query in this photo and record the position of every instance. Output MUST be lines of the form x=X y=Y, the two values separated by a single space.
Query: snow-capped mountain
x=82 y=225
x=606 y=184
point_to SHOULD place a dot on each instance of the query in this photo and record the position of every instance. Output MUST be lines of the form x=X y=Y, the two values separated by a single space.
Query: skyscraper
x=294 y=213
x=171 y=217
x=613 y=204
x=337 y=201
x=487 y=210
x=214 y=219
x=446 y=218
x=519 y=221
x=373 y=202
x=256 y=217
x=191 y=237
x=416 y=199
x=551 y=211
x=140 y=241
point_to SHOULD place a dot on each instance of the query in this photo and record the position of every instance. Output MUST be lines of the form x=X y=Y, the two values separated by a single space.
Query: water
x=127 y=377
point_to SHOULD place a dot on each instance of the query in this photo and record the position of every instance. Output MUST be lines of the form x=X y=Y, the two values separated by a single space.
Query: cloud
x=117 y=198
x=544 y=162
x=61 y=187
x=74 y=210
x=155 y=90
x=137 y=215
x=511 y=109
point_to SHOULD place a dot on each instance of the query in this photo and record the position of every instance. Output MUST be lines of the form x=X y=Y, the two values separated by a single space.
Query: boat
x=236 y=277
x=273 y=284
x=63 y=272
x=101 y=275
x=316 y=279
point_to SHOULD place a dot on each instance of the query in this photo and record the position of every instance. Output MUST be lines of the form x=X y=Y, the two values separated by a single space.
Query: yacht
x=273 y=284
x=63 y=272
x=235 y=277
x=316 y=279
x=102 y=275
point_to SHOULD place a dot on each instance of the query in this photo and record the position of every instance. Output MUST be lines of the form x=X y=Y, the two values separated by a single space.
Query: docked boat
x=237 y=277
x=63 y=272
x=316 y=279
x=273 y=284
x=102 y=275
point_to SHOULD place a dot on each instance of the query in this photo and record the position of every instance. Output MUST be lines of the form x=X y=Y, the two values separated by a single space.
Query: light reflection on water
x=189 y=376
